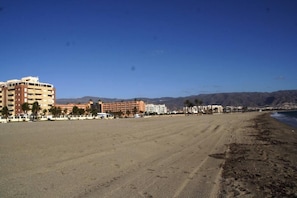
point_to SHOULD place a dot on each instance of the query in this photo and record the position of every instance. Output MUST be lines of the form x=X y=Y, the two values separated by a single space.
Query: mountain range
x=249 y=99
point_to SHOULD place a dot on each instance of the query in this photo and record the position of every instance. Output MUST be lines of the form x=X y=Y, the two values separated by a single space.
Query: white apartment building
x=204 y=109
x=158 y=109
x=14 y=93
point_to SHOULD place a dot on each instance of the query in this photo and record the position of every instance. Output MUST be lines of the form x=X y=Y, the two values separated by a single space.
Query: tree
x=120 y=113
x=128 y=112
x=55 y=111
x=134 y=110
x=35 y=108
x=65 y=111
x=88 y=110
x=191 y=105
x=94 y=112
x=81 y=111
x=187 y=104
x=44 y=111
x=75 y=110
x=59 y=111
x=25 y=107
x=5 y=112
x=198 y=103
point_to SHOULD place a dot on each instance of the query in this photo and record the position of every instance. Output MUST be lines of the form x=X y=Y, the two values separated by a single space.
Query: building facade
x=155 y=109
x=85 y=106
x=14 y=93
x=126 y=107
x=204 y=109
x=67 y=108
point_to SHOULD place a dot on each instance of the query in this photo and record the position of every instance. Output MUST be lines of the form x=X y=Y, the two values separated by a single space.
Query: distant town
x=29 y=99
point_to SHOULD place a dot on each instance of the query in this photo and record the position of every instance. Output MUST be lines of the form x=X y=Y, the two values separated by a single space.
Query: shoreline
x=266 y=167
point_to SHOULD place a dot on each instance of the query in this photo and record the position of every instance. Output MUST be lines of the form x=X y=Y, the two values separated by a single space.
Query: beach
x=224 y=155
x=265 y=166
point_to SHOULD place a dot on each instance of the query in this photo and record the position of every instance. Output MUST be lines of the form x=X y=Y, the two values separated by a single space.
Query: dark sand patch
x=265 y=168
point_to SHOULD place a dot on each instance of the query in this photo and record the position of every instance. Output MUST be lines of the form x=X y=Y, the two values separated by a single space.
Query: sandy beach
x=223 y=155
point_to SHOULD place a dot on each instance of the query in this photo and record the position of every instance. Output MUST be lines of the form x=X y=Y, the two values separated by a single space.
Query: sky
x=150 y=48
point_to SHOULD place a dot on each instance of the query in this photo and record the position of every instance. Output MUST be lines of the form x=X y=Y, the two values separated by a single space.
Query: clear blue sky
x=150 y=48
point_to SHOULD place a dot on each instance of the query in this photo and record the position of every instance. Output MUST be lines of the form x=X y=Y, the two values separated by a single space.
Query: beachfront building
x=204 y=109
x=67 y=108
x=120 y=108
x=14 y=93
x=87 y=107
x=125 y=108
x=155 y=109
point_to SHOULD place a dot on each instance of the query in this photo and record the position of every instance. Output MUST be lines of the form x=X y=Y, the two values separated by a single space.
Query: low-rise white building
x=204 y=109
x=155 y=109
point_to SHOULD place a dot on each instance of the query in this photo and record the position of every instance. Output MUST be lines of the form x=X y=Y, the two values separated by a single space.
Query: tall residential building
x=14 y=93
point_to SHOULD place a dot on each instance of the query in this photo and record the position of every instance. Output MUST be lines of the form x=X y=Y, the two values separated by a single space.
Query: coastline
x=266 y=167
x=288 y=117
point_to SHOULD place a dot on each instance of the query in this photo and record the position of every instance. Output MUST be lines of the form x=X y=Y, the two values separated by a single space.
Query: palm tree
x=121 y=113
x=65 y=111
x=59 y=111
x=128 y=112
x=187 y=104
x=25 y=107
x=134 y=110
x=35 y=108
x=198 y=103
x=191 y=105
x=75 y=110
x=81 y=111
x=53 y=111
x=94 y=112
x=5 y=112
x=88 y=110
x=44 y=111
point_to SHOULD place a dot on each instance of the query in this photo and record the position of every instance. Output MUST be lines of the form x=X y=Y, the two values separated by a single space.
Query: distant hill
x=250 y=99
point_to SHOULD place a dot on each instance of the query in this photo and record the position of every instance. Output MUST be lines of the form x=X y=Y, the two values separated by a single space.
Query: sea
x=287 y=117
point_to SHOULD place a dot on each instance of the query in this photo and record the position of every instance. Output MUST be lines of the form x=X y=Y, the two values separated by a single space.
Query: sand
x=266 y=165
x=179 y=156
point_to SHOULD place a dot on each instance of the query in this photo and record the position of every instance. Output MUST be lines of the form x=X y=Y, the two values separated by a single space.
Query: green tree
x=88 y=110
x=59 y=111
x=187 y=104
x=55 y=111
x=35 y=108
x=128 y=112
x=94 y=112
x=120 y=113
x=134 y=110
x=75 y=110
x=191 y=105
x=81 y=111
x=5 y=112
x=25 y=107
x=198 y=103
x=44 y=111
x=65 y=111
